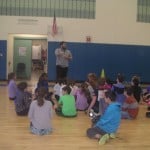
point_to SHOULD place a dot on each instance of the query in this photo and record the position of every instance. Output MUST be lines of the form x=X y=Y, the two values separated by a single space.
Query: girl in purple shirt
x=82 y=95
x=12 y=87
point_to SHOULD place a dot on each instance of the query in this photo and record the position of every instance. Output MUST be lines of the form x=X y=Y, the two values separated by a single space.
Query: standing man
x=63 y=56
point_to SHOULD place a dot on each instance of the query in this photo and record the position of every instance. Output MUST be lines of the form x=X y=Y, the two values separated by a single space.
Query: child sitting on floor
x=57 y=88
x=12 y=87
x=23 y=99
x=137 y=90
x=82 y=96
x=109 y=122
x=103 y=86
x=146 y=95
x=119 y=88
x=40 y=114
x=130 y=106
x=66 y=104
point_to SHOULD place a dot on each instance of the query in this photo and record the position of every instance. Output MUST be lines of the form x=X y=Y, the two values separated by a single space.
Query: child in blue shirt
x=109 y=122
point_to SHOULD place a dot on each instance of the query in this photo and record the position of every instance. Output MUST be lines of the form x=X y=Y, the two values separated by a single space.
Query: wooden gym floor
x=69 y=133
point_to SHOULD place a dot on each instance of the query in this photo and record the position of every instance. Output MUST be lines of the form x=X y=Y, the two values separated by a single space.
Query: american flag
x=54 y=26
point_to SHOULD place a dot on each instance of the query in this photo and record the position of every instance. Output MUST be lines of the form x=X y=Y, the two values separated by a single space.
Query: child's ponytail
x=41 y=94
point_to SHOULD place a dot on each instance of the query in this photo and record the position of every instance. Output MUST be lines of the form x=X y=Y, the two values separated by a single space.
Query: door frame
x=10 y=46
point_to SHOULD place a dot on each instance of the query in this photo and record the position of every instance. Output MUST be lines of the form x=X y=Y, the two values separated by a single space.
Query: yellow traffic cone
x=102 y=74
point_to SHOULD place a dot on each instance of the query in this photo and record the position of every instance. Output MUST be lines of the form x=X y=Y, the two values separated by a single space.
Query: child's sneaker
x=112 y=135
x=103 y=139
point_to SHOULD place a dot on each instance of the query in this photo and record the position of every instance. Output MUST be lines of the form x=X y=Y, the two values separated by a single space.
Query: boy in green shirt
x=66 y=104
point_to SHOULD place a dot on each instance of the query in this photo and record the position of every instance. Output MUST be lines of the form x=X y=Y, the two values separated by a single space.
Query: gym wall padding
x=3 y=60
x=92 y=57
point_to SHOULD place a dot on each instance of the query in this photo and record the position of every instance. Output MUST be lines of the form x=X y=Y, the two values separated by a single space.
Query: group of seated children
x=19 y=94
x=38 y=109
x=124 y=96
x=112 y=102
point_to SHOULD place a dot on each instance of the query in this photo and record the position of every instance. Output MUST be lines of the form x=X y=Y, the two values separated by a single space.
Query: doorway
x=39 y=57
x=39 y=54
x=22 y=58
x=20 y=50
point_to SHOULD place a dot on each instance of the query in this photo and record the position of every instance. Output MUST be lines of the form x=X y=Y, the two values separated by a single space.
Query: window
x=46 y=8
x=143 y=11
